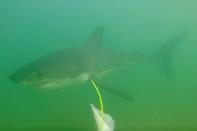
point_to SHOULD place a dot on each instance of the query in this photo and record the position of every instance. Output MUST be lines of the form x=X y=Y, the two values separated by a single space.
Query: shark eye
x=34 y=76
x=37 y=74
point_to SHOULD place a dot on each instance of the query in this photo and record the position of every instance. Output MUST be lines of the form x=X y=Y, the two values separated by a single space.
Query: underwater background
x=35 y=28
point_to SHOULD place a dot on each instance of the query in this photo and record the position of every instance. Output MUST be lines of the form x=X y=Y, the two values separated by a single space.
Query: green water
x=31 y=29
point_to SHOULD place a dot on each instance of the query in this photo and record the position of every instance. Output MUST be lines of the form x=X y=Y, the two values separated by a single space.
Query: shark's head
x=31 y=76
x=52 y=71
x=48 y=77
x=62 y=68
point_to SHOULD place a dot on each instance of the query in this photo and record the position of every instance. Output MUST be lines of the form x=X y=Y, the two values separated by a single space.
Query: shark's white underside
x=52 y=83
x=55 y=83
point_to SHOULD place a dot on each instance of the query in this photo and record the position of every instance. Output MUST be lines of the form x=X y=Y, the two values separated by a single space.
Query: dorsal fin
x=95 y=38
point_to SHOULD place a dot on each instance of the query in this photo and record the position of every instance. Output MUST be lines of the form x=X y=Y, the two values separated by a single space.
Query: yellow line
x=101 y=104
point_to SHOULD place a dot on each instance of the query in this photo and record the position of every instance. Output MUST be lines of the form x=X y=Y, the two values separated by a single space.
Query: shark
x=91 y=61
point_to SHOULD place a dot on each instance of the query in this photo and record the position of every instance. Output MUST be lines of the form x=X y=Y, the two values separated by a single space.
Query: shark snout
x=12 y=77
x=15 y=77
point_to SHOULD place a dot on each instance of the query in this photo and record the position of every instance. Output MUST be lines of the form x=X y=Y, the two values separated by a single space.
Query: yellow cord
x=101 y=104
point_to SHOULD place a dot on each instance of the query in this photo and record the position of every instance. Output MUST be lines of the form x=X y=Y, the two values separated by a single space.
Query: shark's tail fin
x=164 y=54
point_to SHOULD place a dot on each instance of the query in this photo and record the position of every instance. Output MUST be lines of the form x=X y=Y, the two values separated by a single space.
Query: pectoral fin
x=114 y=91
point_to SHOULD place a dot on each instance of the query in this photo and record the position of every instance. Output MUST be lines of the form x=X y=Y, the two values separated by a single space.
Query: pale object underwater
x=108 y=123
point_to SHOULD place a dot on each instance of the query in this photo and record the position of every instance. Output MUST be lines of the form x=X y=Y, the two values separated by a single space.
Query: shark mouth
x=51 y=83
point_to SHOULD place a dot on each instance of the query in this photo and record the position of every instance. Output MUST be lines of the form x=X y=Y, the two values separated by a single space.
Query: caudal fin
x=164 y=54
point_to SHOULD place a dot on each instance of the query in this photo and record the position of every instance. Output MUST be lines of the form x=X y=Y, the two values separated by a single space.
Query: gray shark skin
x=70 y=66
x=78 y=65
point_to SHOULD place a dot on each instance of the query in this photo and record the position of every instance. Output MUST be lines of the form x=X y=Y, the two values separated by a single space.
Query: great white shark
x=92 y=61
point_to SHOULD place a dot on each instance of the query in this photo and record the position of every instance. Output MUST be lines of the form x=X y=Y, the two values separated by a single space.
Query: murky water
x=31 y=29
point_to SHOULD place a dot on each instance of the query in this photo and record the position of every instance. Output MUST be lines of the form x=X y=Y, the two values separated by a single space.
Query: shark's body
x=70 y=65
x=81 y=64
